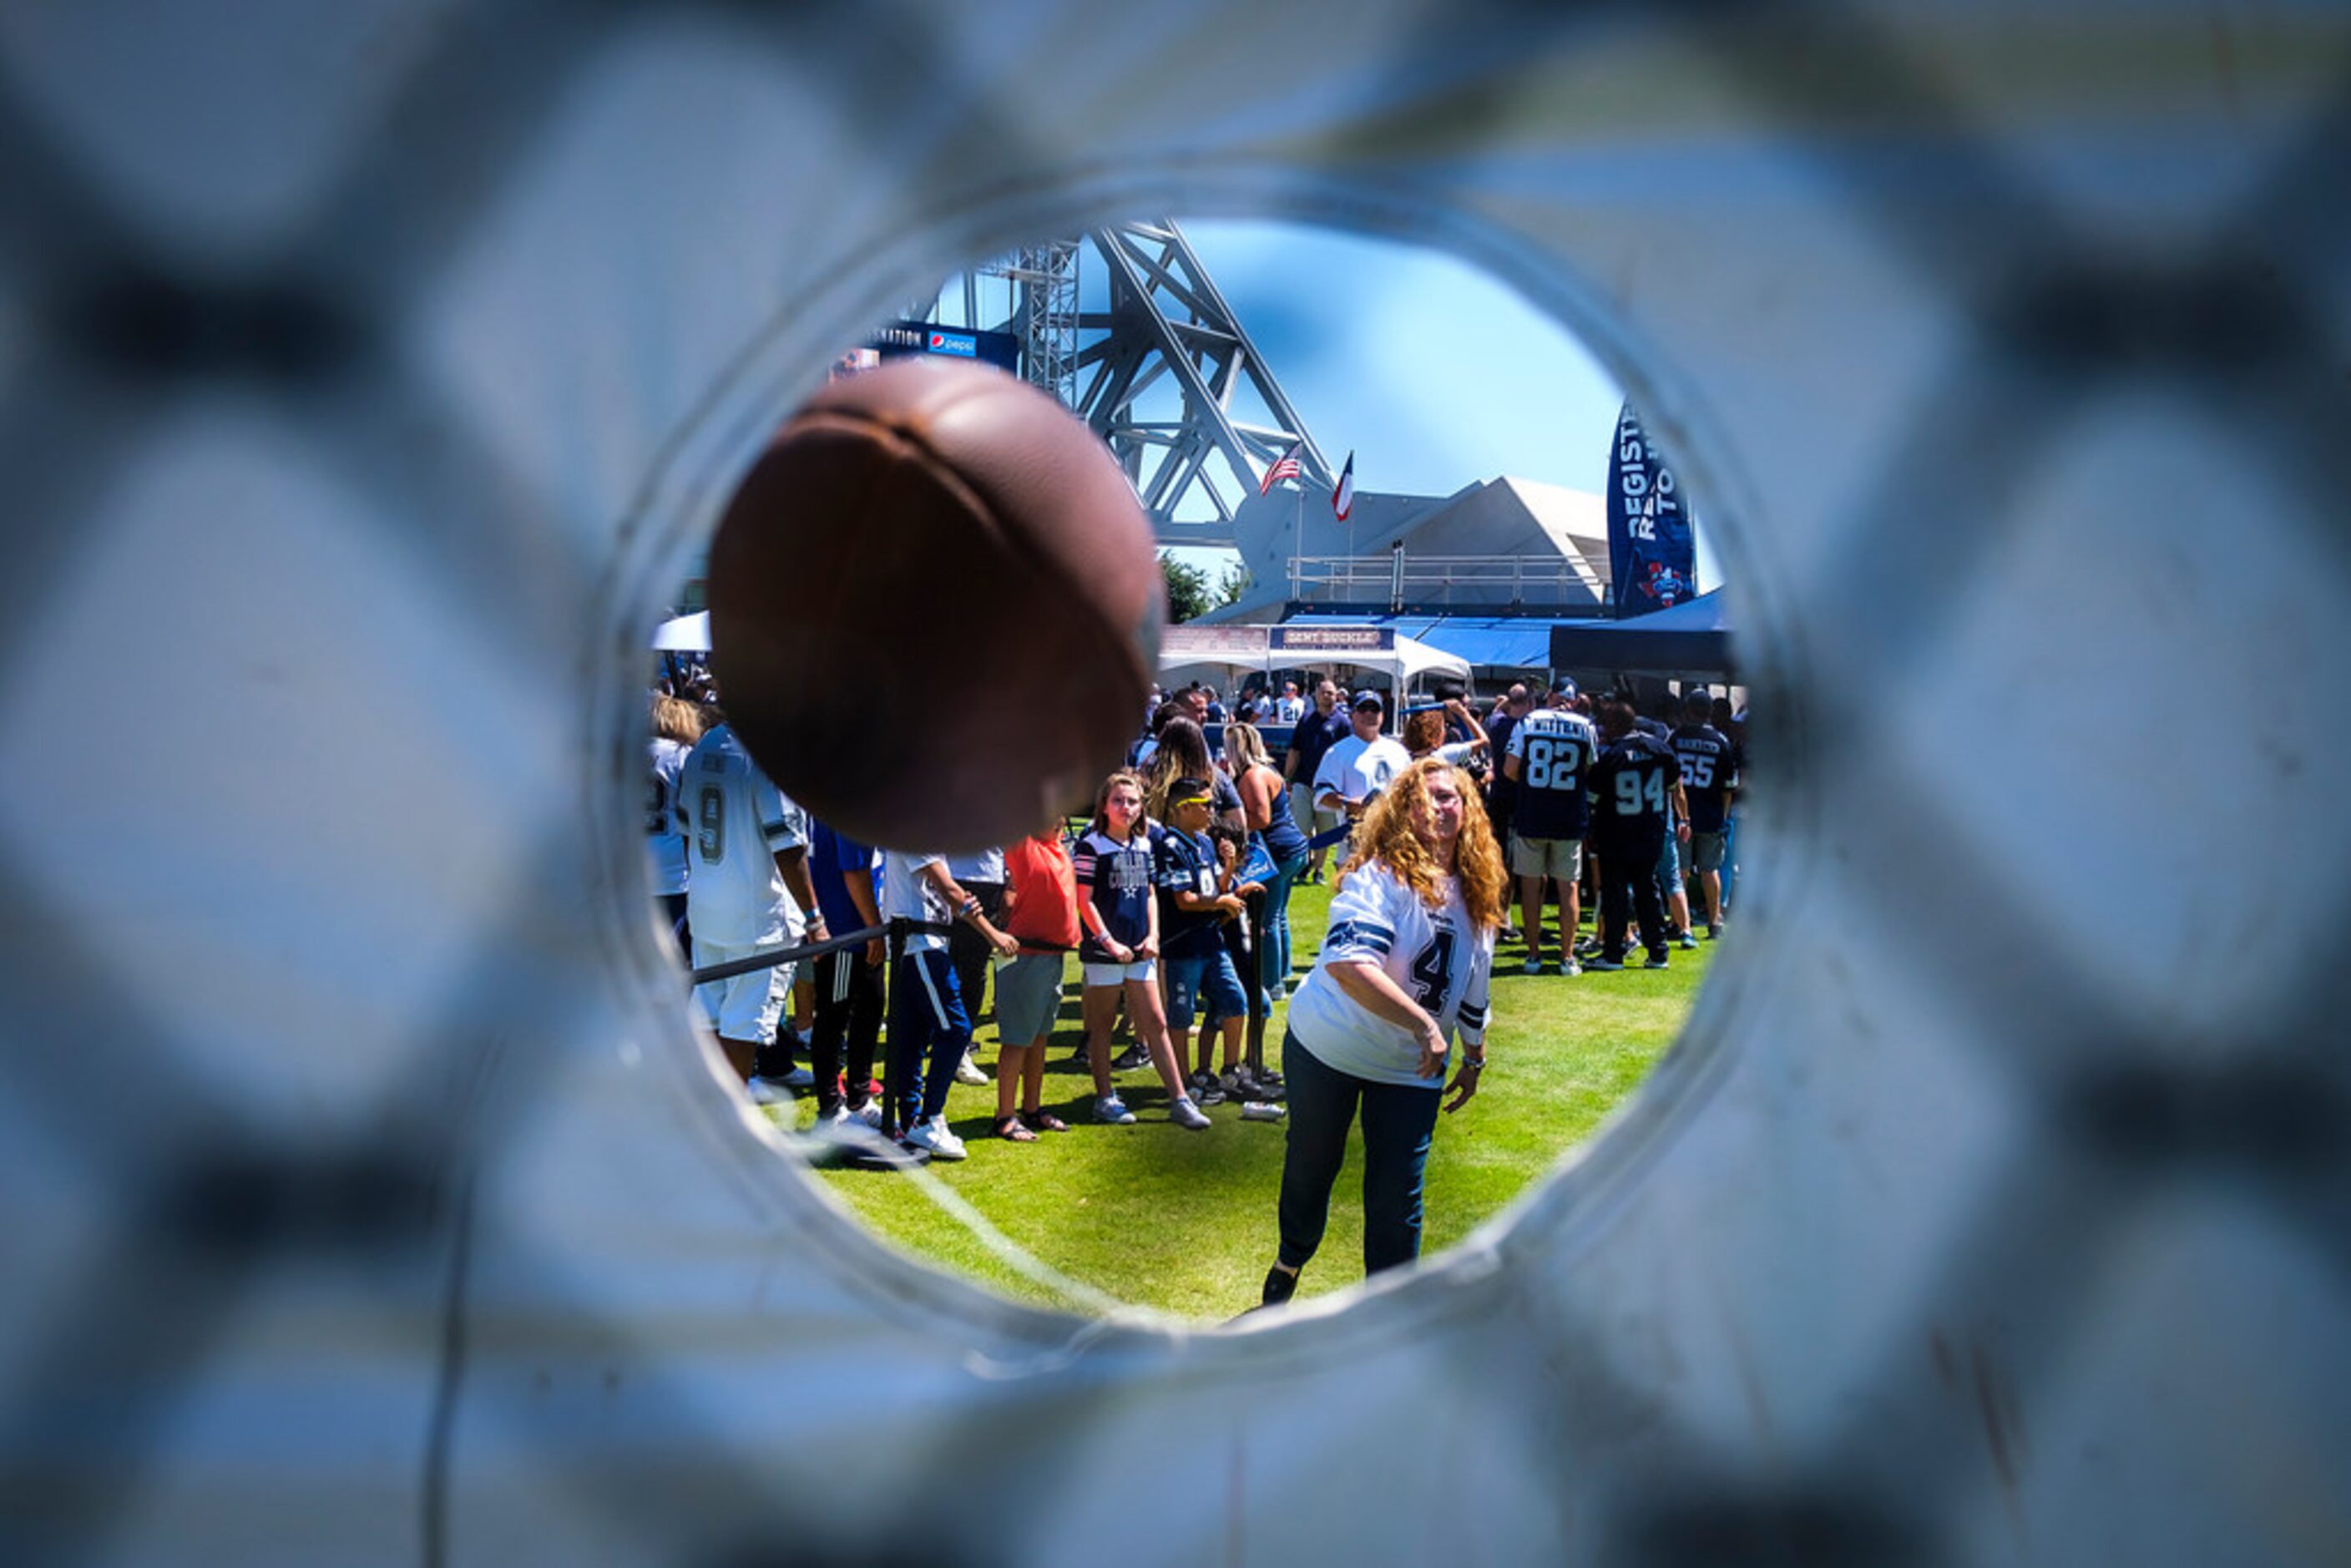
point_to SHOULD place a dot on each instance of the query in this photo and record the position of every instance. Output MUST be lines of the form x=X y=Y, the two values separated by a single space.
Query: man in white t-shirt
x=1288 y=707
x=746 y=848
x=1358 y=768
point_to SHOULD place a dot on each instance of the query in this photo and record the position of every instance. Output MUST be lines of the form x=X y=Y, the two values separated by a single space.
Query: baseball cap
x=1370 y=698
x=1190 y=792
x=1565 y=688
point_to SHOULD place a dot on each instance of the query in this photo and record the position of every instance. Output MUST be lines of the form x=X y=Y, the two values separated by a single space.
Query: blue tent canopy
x=1690 y=638
x=1502 y=642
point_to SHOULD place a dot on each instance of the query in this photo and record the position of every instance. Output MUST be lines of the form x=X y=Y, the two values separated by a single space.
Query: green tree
x=1187 y=588
x=1237 y=582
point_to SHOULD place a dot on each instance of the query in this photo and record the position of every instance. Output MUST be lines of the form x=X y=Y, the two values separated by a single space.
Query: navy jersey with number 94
x=1632 y=793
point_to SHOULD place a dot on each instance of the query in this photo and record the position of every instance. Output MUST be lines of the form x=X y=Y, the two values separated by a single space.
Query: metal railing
x=1400 y=578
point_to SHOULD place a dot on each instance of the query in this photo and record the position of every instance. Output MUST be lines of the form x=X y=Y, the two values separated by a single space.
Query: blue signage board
x=1332 y=640
x=900 y=338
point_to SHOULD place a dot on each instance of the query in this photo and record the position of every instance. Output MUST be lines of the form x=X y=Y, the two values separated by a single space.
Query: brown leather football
x=935 y=607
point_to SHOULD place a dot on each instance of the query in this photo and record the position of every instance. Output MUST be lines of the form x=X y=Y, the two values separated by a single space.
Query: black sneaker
x=1206 y=1091
x=1657 y=960
x=1280 y=1285
x=1131 y=1058
x=1714 y=930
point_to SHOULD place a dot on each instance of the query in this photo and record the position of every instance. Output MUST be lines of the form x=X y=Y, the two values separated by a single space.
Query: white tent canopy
x=685 y=634
x=1190 y=650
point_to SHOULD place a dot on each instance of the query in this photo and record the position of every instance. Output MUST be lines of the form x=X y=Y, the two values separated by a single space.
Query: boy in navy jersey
x=1635 y=789
x=1705 y=754
x=1199 y=900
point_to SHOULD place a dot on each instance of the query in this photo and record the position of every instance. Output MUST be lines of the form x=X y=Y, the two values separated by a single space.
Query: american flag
x=1288 y=468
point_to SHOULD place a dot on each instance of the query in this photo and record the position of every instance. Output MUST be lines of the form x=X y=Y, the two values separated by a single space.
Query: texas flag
x=1288 y=468
x=1343 y=499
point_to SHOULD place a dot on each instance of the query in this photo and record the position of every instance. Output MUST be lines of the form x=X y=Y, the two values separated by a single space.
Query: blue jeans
x=1273 y=943
x=1399 y=1122
x=926 y=1010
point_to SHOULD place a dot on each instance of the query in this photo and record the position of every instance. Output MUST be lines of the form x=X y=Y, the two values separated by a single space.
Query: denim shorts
x=1211 y=978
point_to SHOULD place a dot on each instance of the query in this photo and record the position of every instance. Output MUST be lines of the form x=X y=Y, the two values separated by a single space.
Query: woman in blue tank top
x=1265 y=804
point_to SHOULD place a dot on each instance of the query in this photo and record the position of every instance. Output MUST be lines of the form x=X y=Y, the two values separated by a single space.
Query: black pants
x=848 y=1010
x=967 y=950
x=1399 y=1122
x=1628 y=880
x=673 y=908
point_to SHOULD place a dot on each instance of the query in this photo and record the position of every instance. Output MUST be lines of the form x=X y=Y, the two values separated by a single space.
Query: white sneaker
x=968 y=1071
x=870 y=1112
x=1187 y=1115
x=846 y=1127
x=934 y=1137
x=800 y=1078
x=768 y=1092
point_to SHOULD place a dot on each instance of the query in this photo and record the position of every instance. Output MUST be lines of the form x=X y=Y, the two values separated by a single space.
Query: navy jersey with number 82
x=1555 y=749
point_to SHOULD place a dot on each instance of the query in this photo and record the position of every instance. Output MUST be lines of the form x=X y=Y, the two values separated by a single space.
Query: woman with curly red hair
x=1403 y=969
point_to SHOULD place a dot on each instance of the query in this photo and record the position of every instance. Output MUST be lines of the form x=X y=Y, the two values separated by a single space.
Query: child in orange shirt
x=1041 y=914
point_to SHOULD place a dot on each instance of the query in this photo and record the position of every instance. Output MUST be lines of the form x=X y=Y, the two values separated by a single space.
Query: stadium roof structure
x=1504 y=545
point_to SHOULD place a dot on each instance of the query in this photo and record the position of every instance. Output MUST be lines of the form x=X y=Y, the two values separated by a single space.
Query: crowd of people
x=1175 y=898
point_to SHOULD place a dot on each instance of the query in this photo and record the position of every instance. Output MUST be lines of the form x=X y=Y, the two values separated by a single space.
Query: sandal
x=1043 y=1122
x=1015 y=1129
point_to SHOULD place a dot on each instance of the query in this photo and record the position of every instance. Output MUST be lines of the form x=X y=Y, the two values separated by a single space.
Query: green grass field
x=1183 y=1221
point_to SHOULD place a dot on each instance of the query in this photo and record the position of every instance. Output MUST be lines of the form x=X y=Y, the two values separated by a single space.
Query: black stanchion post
x=1253 y=979
x=897 y=949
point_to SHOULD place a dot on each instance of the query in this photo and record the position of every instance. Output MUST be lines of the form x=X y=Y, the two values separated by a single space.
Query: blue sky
x=1438 y=374
x=1434 y=372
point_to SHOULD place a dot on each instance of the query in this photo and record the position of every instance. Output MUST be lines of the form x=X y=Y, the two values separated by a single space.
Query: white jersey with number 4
x=735 y=821
x=1435 y=955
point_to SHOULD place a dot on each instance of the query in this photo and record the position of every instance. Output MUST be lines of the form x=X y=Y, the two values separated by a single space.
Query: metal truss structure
x=1172 y=381
x=1043 y=280
x=1165 y=368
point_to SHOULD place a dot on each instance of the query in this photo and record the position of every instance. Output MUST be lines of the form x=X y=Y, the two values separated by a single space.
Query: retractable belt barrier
x=896 y=930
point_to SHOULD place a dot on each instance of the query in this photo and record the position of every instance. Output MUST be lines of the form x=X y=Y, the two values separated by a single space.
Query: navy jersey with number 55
x=1704 y=753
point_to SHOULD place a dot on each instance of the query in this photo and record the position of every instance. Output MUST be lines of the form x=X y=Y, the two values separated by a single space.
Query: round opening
x=1398 y=512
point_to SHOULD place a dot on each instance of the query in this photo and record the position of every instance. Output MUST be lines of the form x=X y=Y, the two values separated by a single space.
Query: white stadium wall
x=371 y=372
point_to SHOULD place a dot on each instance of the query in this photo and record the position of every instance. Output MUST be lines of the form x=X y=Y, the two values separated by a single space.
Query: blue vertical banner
x=1652 y=559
